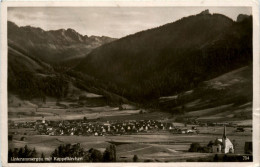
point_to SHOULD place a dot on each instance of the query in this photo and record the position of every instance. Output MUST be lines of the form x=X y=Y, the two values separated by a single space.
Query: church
x=223 y=145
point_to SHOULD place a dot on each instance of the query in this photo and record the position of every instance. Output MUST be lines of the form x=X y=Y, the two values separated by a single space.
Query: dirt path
x=138 y=149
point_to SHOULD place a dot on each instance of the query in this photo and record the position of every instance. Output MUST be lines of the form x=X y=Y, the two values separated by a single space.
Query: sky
x=114 y=22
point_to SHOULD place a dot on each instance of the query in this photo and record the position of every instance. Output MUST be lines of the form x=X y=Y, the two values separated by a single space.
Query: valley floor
x=156 y=146
x=163 y=146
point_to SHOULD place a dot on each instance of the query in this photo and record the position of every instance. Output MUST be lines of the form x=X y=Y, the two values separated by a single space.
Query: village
x=194 y=137
x=97 y=128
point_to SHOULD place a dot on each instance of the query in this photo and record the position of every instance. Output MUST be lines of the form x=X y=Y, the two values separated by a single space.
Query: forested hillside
x=172 y=58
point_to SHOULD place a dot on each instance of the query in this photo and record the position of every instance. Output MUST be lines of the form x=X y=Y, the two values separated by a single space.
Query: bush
x=216 y=158
x=135 y=158
x=85 y=119
x=204 y=149
x=95 y=155
x=10 y=137
x=148 y=160
x=110 y=154
x=194 y=147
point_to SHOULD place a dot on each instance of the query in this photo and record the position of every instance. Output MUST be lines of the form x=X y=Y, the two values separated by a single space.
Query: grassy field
x=154 y=147
x=20 y=114
x=159 y=146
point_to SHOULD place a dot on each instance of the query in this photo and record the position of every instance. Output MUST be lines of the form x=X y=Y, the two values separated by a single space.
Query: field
x=163 y=146
x=21 y=111
x=160 y=146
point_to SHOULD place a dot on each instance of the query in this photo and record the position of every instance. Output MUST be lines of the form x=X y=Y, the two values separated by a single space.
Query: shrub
x=95 y=155
x=194 y=147
x=10 y=137
x=110 y=154
x=216 y=158
x=135 y=158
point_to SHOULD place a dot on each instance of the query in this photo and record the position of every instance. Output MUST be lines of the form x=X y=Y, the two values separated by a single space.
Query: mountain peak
x=74 y=35
x=205 y=12
x=71 y=30
x=242 y=17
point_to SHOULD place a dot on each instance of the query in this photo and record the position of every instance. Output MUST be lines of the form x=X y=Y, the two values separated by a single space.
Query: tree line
x=67 y=150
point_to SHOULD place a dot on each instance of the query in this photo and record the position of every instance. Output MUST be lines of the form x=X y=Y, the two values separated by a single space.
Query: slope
x=30 y=78
x=228 y=96
x=172 y=58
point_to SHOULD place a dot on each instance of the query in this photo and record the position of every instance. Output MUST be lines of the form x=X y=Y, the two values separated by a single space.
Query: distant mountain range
x=54 y=46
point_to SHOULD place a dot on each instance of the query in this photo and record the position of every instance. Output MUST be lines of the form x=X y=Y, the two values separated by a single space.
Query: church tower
x=223 y=145
x=224 y=138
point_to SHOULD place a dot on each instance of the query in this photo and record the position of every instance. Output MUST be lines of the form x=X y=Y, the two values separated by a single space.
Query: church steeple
x=224 y=133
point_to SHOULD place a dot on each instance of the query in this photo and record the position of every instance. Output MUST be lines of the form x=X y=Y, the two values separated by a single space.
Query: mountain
x=54 y=46
x=30 y=78
x=25 y=72
x=228 y=96
x=172 y=58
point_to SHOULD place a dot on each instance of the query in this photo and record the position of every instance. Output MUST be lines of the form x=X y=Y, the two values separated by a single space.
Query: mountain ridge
x=171 y=56
x=53 y=46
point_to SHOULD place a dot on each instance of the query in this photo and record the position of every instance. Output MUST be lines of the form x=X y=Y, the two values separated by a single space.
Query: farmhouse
x=223 y=145
x=43 y=119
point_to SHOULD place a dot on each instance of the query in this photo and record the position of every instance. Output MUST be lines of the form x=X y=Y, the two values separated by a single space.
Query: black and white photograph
x=129 y=84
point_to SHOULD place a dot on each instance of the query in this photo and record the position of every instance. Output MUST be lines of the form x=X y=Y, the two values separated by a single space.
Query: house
x=52 y=133
x=223 y=145
x=49 y=128
x=240 y=129
x=183 y=131
x=43 y=119
x=37 y=122
x=190 y=131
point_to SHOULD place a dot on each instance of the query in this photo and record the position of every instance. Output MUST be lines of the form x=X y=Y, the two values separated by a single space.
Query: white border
x=182 y=3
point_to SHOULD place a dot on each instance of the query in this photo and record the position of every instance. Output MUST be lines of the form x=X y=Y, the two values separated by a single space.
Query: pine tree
x=33 y=153
x=135 y=158
x=110 y=154
x=216 y=158
x=10 y=154
x=27 y=151
x=43 y=156
x=21 y=152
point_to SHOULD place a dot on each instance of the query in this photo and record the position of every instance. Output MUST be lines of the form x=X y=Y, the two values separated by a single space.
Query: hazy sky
x=109 y=21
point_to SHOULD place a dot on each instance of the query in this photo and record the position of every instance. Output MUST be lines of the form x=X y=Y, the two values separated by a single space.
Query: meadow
x=163 y=146
x=160 y=146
